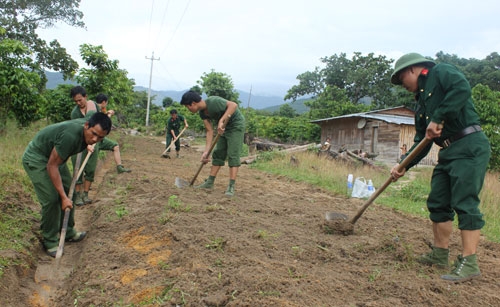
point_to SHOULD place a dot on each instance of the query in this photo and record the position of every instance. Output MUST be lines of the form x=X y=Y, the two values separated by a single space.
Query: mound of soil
x=151 y=243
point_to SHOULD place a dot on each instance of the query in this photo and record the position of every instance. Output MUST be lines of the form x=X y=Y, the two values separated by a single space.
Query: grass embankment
x=18 y=211
x=408 y=195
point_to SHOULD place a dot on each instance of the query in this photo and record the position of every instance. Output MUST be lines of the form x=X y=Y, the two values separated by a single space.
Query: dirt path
x=153 y=244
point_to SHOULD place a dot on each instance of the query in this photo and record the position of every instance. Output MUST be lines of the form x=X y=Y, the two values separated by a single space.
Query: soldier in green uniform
x=108 y=144
x=445 y=113
x=45 y=162
x=173 y=127
x=230 y=125
x=83 y=109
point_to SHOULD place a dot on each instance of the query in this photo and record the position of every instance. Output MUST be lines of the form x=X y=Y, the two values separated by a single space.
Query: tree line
x=339 y=85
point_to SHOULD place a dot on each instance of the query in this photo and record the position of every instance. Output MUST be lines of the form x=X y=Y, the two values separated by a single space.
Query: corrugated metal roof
x=393 y=119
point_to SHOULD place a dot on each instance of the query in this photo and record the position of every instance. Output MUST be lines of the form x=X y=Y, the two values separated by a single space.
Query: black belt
x=460 y=134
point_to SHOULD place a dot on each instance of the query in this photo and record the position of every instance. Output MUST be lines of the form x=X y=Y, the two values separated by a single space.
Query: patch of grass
x=172 y=208
x=175 y=204
x=270 y=293
x=121 y=211
x=18 y=205
x=374 y=275
x=263 y=234
x=217 y=244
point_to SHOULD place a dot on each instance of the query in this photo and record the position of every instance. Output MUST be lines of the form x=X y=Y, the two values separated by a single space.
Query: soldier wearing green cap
x=445 y=113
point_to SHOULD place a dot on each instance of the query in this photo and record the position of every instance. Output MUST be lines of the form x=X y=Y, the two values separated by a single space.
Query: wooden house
x=381 y=133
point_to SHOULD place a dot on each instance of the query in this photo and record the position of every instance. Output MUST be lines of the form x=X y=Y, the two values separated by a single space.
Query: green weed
x=263 y=234
x=217 y=244
x=121 y=211
x=175 y=204
x=375 y=274
x=270 y=293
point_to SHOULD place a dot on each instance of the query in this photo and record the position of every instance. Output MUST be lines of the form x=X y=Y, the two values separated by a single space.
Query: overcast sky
x=265 y=44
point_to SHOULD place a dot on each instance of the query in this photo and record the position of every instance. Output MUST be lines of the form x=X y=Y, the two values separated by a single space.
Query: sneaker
x=86 y=198
x=177 y=156
x=230 y=190
x=51 y=251
x=122 y=169
x=465 y=268
x=438 y=256
x=78 y=199
x=208 y=184
x=77 y=237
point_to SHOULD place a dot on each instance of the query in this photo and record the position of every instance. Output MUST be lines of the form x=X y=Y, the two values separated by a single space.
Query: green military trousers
x=52 y=215
x=457 y=181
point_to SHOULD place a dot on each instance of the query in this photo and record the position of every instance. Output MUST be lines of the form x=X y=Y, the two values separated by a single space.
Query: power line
x=162 y=22
x=176 y=27
x=149 y=91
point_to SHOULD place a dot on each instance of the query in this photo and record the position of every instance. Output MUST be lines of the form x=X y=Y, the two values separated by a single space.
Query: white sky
x=265 y=44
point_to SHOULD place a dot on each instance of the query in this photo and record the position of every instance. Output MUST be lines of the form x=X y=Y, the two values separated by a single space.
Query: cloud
x=270 y=42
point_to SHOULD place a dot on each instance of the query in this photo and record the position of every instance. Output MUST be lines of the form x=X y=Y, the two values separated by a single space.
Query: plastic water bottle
x=370 y=186
x=350 y=180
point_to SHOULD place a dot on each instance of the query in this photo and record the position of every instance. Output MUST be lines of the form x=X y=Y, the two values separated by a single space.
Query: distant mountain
x=297 y=105
x=268 y=103
x=257 y=102
x=56 y=78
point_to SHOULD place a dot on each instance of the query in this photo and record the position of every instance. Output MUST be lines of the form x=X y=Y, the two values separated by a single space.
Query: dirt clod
x=338 y=227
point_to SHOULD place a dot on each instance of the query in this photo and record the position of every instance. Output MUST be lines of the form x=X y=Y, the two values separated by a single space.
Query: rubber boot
x=465 y=268
x=86 y=198
x=438 y=256
x=208 y=184
x=120 y=169
x=78 y=199
x=230 y=188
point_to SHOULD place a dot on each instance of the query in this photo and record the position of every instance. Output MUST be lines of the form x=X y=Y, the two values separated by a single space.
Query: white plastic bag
x=361 y=189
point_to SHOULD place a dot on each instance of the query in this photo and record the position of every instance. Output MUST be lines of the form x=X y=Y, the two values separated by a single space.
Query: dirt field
x=153 y=244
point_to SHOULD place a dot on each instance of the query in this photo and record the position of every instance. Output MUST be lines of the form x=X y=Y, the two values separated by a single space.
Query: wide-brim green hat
x=407 y=60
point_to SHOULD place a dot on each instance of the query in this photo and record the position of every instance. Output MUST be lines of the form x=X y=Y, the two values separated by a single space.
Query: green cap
x=407 y=60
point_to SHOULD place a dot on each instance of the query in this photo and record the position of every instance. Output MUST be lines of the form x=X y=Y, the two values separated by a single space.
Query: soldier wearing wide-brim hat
x=445 y=113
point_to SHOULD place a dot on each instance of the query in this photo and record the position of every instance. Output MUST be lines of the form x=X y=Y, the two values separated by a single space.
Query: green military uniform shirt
x=444 y=96
x=216 y=107
x=66 y=137
x=175 y=124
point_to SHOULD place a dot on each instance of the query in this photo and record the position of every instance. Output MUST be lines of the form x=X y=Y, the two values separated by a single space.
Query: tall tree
x=59 y=103
x=167 y=102
x=21 y=19
x=25 y=56
x=218 y=84
x=486 y=71
x=105 y=76
x=19 y=95
x=286 y=110
x=364 y=79
x=488 y=108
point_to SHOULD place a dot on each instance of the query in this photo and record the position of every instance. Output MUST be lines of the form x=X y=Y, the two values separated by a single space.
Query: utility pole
x=150 y=77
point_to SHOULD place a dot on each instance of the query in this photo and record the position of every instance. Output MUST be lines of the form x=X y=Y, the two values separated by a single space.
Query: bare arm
x=230 y=109
x=53 y=169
